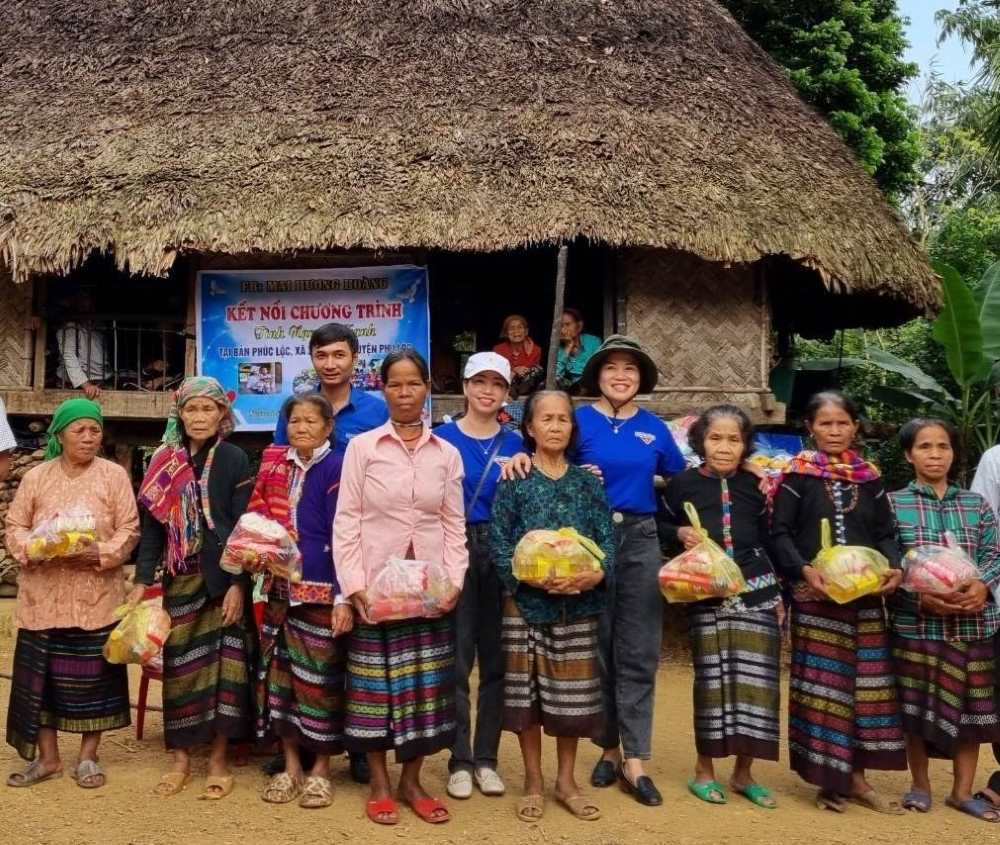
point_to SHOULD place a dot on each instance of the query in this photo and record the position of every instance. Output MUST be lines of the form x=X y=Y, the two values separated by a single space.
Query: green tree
x=845 y=57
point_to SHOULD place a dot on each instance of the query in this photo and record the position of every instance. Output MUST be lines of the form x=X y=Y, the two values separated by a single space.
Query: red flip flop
x=383 y=805
x=425 y=808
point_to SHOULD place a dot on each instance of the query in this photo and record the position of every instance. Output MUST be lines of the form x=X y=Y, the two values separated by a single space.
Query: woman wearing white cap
x=484 y=447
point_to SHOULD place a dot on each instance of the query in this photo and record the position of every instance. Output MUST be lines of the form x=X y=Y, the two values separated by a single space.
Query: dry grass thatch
x=238 y=125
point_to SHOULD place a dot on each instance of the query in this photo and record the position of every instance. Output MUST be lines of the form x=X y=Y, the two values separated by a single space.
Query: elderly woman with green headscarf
x=69 y=588
x=196 y=488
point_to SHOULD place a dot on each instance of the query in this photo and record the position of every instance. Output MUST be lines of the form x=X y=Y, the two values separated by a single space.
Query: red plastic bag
x=258 y=543
x=407 y=589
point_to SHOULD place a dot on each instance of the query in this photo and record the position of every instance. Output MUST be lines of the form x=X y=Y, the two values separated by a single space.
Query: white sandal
x=460 y=784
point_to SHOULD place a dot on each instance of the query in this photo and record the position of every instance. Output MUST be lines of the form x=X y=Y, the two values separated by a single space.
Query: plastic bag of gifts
x=702 y=572
x=258 y=543
x=64 y=534
x=543 y=554
x=407 y=589
x=938 y=569
x=850 y=572
x=139 y=635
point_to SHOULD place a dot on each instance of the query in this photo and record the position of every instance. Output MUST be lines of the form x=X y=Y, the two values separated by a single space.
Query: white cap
x=487 y=362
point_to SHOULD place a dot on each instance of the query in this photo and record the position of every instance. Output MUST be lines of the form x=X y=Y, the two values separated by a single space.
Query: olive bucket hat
x=648 y=374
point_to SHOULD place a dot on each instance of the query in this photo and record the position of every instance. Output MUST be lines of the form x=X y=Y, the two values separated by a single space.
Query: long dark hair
x=831 y=397
x=408 y=354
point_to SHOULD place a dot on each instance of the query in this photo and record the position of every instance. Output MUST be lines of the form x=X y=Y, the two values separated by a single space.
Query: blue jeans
x=630 y=636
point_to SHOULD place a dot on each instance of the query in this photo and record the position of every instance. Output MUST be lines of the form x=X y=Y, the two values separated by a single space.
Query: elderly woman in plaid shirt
x=943 y=644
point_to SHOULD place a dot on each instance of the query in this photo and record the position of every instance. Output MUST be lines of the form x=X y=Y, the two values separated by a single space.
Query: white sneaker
x=460 y=784
x=489 y=781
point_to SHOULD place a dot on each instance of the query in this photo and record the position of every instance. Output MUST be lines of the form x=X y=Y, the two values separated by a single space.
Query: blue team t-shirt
x=642 y=448
x=363 y=412
x=474 y=453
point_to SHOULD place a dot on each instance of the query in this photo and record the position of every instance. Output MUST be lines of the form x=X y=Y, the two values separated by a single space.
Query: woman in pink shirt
x=400 y=497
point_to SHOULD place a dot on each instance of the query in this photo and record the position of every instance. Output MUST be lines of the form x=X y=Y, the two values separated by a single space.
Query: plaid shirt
x=923 y=518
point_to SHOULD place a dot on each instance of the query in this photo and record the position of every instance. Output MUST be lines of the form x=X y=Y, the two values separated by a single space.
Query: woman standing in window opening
x=943 y=645
x=400 y=497
x=196 y=488
x=524 y=355
x=484 y=446
x=629 y=446
x=736 y=642
x=843 y=714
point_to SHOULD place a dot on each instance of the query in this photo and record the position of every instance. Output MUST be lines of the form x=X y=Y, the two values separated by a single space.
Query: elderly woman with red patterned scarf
x=196 y=488
x=844 y=713
x=301 y=677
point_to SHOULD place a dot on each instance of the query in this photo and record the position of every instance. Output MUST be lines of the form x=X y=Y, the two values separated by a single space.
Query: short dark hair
x=831 y=397
x=408 y=354
x=908 y=433
x=333 y=333
x=317 y=400
x=529 y=415
x=699 y=429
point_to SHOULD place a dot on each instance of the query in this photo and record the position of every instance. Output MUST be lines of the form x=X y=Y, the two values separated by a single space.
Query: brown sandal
x=580 y=806
x=879 y=803
x=531 y=808
x=217 y=787
x=88 y=774
x=172 y=783
x=32 y=775
x=317 y=792
x=282 y=789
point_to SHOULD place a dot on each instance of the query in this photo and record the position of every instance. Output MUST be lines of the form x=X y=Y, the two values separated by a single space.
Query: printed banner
x=254 y=328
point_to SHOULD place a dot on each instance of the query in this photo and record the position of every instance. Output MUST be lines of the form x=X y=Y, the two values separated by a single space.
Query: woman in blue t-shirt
x=628 y=446
x=484 y=447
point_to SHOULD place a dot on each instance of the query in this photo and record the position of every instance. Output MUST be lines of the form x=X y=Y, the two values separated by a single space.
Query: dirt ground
x=126 y=813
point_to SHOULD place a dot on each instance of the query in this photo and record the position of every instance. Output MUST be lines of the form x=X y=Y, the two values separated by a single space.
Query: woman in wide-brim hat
x=630 y=446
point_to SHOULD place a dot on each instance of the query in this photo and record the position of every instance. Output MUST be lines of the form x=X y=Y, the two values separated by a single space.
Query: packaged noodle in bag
x=140 y=635
x=850 y=572
x=704 y=572
x=543 y=554
x=938 y=569
x=407 y=589
x=66 y=533
x=260 y=543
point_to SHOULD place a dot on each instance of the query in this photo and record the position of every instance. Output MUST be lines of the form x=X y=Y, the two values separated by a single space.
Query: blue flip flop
x=976 y=808
x=917 y=799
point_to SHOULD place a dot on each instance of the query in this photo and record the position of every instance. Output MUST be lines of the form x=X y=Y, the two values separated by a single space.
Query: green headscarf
x=69 y=412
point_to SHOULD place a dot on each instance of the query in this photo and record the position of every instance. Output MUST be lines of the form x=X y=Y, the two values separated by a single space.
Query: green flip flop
x=704 y=791
x=757 y=794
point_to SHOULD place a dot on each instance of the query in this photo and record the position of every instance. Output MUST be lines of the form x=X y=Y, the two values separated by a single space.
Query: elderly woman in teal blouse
x=552 y=679
x=575 y=350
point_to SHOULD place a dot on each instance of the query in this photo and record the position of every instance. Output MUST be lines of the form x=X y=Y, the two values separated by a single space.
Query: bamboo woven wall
x=15 y=340
x=701 y=323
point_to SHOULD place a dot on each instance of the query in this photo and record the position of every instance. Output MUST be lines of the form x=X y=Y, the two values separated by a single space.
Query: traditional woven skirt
x=843 y=711
x=551 y=676
x=947 y=692
x=300 y=681
x=737 y=682
x=61 y=680
x=401 y=688
x=206 y=668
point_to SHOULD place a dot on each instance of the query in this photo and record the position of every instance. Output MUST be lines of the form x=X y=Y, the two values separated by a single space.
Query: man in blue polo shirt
x=334 y=351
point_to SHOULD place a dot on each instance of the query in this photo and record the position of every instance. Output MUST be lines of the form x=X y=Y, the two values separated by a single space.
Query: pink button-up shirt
x=391 y=500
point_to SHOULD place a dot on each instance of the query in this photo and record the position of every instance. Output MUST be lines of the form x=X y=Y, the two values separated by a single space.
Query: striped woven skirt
x=843 y=710
x=401 y=688
x=737 y=682
x=551 y=676
x=61 y=680
x=947 y=692
x=300 y=680
x=206 y=668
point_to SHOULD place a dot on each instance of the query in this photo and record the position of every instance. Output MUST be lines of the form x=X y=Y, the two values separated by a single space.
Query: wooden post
x=557 y=310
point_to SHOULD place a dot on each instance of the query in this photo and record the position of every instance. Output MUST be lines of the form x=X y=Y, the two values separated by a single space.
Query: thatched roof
x=155 y=126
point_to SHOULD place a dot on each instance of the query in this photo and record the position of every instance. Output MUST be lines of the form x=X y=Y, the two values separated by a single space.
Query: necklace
x=489 y=447
x=399 y=424
x=555 y=474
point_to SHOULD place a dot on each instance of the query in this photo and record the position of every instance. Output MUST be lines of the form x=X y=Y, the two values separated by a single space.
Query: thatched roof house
x=161 y=129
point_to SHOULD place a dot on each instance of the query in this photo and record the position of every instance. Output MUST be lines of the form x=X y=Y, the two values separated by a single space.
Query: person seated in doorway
x=524 y=355
x=83 y=352
x=575 y=350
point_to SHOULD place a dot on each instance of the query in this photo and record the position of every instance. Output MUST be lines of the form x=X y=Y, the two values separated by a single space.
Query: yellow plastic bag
x=543 y=554
x=850 y=572
x=704 y=572
x=62 y=535
x=139 y=636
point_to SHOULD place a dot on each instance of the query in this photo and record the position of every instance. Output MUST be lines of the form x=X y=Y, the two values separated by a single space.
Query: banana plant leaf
x=895 y=364
x=958 y=330
x=988 y=300
x=824 y=364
